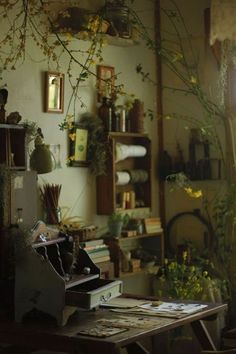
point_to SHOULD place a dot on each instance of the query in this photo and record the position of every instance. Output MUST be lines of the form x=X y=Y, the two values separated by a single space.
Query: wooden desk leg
x=136 y=348
x=160 y=341
x=203 y=335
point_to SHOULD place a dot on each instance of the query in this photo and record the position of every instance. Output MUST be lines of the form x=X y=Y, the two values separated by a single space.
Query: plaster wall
x=187 y=109
x=26 y=95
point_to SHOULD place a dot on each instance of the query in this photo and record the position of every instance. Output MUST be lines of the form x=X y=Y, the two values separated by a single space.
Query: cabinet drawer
x=92 y=293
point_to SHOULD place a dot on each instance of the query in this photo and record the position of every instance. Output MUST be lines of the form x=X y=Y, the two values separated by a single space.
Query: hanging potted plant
x=117 y=14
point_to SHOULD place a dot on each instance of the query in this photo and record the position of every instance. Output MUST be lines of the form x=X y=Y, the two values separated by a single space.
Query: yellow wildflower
x=191 y=193
x=69 y=36
x=94 y=23
x=103 y=42
x=185 y=255
x=69 y=117
x=92 y=62
x=71 y=158
x=177 y=56
x=83 y=34
x=72 y=136
x=70 y=125
x=193 y=79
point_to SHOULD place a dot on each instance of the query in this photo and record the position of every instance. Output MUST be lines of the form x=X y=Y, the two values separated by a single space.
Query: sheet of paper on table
x=174 y=307
x=125 y=303
x=165 y=309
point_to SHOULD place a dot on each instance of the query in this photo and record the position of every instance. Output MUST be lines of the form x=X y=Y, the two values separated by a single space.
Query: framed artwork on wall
x=78 y=140
x=54 y=92
x=105 y=81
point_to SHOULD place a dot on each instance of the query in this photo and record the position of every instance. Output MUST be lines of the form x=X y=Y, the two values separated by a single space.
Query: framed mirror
x=105 y=81
x=54 y=92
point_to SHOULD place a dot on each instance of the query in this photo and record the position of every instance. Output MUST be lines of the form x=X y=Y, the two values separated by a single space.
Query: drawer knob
x=86 y=270
x=105 y=298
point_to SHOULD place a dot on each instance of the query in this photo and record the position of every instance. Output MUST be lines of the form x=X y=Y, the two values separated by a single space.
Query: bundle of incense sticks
x=50 y=196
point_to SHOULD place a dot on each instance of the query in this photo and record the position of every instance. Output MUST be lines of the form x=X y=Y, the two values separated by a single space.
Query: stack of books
x=97 y=250
x=153 y=225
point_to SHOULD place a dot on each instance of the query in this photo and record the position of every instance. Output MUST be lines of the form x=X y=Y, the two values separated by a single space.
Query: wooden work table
x=32 y=336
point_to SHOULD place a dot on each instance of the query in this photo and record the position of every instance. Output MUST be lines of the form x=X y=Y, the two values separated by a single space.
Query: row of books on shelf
x=97 y=250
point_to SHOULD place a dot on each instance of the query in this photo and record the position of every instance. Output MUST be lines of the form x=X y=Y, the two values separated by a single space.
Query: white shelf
x=111 y=40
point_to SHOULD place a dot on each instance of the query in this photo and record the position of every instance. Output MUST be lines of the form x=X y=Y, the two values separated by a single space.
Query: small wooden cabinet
x=53 y=277
x=12 y=146
x=134 y=192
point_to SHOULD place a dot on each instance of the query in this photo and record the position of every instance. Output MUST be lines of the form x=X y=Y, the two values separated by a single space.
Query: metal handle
x=105 y=298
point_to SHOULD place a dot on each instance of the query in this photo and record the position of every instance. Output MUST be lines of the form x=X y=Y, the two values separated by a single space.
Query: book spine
x=101 y=259
x=95 y=248
x=92 y=243
x=98 y=254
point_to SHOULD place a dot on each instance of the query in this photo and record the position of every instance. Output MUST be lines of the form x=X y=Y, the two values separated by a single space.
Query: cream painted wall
x=175 y=130
x=26 y=92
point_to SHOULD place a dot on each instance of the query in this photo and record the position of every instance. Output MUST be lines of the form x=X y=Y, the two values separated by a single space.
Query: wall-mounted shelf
x=121 y=239
x=152 y=244
x=12 y=146
x=110 y=194
x=110 y=40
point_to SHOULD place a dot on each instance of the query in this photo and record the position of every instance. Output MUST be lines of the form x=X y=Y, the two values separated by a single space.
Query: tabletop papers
x=125 y=303
x=173 y=307
x=164 y=309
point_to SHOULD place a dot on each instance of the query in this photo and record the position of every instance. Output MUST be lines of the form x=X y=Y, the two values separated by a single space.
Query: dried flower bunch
x=50 y=194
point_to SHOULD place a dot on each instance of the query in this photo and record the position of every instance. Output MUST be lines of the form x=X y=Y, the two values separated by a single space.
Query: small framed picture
x=78 y=141
x=105 y=81
x=54 y=92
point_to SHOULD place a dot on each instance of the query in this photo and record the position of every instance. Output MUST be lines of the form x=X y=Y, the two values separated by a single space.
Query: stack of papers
x=162 y=309
x=125 y=303
x=173 y=308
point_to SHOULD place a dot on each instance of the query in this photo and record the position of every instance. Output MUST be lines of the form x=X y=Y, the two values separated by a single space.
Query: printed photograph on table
x=105 y=82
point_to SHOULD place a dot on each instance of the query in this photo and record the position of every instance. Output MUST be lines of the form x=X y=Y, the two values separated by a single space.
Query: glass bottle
x=105 y=113
x=19 y=216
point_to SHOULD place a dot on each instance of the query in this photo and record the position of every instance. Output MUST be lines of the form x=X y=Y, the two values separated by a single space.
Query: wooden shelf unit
x=107 y=191
x=152 y=243
x=12 y=146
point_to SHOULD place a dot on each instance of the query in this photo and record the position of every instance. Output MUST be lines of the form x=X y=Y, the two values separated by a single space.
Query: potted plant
x=116 y=221
x=116 y=12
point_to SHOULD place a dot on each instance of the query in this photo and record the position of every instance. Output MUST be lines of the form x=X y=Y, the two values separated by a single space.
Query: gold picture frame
x=78 y=146
x=54 y=92
x=105 y=82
